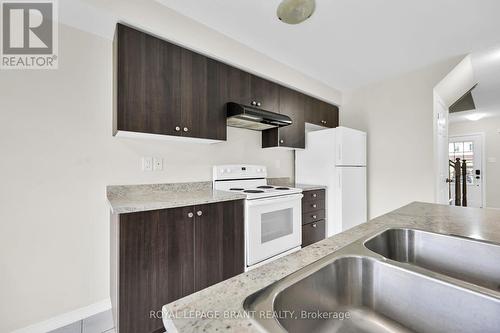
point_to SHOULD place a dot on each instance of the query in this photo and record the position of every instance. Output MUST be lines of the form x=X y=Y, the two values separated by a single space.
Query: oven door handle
x=275 y=200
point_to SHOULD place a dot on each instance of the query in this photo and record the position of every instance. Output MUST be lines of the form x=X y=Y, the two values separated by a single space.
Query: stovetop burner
x=253 y=191
x=265 y=186
x=236 y=189
x=282 y=188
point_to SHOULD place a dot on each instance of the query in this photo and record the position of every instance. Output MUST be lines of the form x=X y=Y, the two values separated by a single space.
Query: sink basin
x=361 y=294
x=400 y=280
x=462 y=258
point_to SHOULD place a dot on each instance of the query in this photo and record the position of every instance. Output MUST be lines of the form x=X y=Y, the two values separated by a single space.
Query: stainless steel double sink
x=399 y=280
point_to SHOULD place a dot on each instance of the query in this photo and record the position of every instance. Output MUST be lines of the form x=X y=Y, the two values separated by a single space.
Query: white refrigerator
x=336 y=158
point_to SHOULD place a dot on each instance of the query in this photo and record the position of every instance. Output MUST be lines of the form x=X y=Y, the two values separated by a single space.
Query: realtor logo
x=29 y=35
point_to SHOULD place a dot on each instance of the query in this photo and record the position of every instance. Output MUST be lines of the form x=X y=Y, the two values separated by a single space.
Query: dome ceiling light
x=295 y=11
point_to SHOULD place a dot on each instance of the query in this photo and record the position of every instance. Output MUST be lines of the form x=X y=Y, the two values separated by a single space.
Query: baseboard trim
x=67 y=318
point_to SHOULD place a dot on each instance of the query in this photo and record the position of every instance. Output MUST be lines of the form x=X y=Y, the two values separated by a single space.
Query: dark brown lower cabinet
x=219 y=243
x=313 y=216
x=163 y=255
x=313 y=232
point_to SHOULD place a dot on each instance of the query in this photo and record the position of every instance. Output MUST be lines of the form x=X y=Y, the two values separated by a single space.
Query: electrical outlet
x=147 y=164
x=157 y=164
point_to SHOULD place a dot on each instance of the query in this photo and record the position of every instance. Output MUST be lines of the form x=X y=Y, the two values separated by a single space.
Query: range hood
x=249 y=117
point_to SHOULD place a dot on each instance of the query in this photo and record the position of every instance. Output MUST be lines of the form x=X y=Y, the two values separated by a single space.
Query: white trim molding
x=67 y=318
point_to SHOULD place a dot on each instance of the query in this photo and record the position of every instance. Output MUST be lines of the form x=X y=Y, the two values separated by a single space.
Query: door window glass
x=464 y=151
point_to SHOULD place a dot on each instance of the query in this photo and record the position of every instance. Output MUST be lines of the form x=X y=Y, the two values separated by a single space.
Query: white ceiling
x=350 y=43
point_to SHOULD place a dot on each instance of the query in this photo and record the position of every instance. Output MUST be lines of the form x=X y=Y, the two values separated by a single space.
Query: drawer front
x=313 y=195
x=313 y=216
x=313 y=232
x=310 y=206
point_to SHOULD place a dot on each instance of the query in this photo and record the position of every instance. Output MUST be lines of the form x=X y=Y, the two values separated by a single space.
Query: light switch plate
x=157 y=164
x=147 y=164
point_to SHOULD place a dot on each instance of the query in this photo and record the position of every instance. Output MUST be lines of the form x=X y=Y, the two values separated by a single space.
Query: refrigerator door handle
x=340 y=153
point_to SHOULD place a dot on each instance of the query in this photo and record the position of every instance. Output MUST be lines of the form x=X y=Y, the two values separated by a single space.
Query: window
x=464 y=151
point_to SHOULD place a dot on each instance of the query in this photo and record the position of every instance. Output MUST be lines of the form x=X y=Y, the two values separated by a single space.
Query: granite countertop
x=286 y=182
x=220 y=307
x=137 y=198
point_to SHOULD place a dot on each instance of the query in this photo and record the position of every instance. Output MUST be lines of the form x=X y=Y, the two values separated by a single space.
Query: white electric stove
x=272 y=213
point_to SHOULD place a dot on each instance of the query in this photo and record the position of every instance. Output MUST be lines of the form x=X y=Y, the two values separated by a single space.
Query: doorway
x=468 y=148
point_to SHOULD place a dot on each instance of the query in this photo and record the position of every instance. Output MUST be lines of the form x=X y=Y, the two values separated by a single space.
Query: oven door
x=273 y=226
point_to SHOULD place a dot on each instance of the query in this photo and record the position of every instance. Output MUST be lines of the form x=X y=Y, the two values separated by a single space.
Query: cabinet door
x=313 y=232
x=196 y=120
x=264 y=92
x=331 y=115
x=226 y=84
x=148 y=83
x=321 y=113
x=238 y=85
x=219 y=242
x=292 y=105
x=156 y=265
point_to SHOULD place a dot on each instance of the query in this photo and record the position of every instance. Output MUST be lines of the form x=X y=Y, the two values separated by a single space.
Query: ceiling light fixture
x=475 y=116
x=295 y=11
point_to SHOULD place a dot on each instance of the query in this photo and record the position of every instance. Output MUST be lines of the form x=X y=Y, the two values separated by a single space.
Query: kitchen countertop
x=138 y=198
x=286 y=182
x=220 y=307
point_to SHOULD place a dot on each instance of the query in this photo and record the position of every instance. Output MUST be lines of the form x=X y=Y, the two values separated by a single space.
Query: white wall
x=491 y=129
x=457 y=82
x=58 y=155
x=398 y=116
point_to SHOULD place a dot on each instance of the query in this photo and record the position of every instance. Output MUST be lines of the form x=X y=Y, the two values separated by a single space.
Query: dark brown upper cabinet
x=321 y=113
x=292 y=104
x=226 y=84
x=148 y=83
x=264 y=94
x=163 y=89
x=168 y=90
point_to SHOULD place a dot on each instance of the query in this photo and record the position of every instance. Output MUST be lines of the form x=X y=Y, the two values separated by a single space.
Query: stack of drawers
x=313 y=216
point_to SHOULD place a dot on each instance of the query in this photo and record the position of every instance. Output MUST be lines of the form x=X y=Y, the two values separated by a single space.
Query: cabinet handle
x=186 y=129
x=315 y=195
x=314 y=216
x=259 y=103
x=190 y=215
x=314 y=225
x=282 y=141
x=254 y=103
x=314 y=206
x=177 y=128
x=199 y=213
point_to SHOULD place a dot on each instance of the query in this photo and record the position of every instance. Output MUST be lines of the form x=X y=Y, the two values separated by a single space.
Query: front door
x=470 y=148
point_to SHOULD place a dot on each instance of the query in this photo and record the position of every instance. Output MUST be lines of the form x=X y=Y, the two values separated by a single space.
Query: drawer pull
x=314 y=225
x=314 y=206
x=199 y=213
x=315 y=195
x=190 y=215
x=314 y=216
